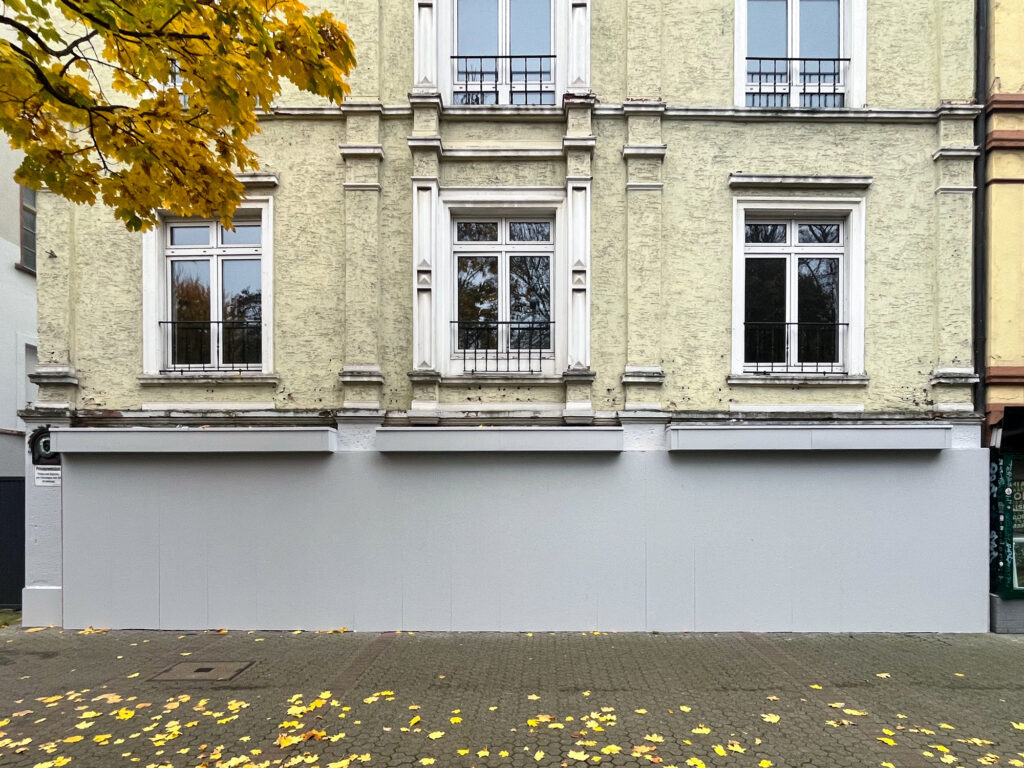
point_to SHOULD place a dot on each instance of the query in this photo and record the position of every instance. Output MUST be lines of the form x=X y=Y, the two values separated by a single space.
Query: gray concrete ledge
x=784 y=437
x=499 y=439
x=1006 y=617
x=196 y=440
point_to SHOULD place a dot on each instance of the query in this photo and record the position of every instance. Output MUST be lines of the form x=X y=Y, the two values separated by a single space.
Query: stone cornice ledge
x=741 y=180
x=258 y=180
x=643 y=374
x=361 y=150
x=954 y=376
x=185 y=378
x=362 y=374
x=54 y=374
x=798 y=380
x=644 y=150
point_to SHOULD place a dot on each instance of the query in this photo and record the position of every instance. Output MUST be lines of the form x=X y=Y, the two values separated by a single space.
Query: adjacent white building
x=17 y=312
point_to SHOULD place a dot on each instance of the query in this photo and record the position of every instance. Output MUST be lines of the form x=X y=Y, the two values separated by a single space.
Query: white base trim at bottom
x=797 y=407
x=42 y=606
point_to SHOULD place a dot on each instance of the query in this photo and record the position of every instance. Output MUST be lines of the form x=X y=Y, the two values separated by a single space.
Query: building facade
x=1004 y=372
x=577 y=315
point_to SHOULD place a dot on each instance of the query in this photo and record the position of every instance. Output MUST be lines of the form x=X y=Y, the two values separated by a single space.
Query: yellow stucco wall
x=326 y=316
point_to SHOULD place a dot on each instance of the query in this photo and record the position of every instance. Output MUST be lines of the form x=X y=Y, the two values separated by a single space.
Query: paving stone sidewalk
x=540 y=699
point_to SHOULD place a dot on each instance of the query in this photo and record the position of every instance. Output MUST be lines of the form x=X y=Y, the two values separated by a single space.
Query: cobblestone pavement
x=540 y=699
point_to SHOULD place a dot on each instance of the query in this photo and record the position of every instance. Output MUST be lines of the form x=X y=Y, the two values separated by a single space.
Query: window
x=503 y=52
x=800 y=53
x=214 y=280
x=502 y=278
x=28 y=228
x=798 y=301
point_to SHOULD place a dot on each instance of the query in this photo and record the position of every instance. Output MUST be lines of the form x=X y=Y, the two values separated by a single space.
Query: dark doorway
x=12 y=541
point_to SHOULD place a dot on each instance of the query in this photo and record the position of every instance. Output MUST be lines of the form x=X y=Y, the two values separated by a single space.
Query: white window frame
x=157 y=256
x=850 y=211
x=503 y=249
x=503 y=82
x=852 y=45
x=519 y=204
x=435 y=43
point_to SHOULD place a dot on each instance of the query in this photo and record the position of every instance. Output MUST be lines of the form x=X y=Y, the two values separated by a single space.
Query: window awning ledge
x=195 y=440
x=775 y=437
x=777 y=181
x=499 y=439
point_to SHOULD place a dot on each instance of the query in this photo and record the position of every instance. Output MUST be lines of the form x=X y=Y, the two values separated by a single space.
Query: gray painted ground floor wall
x=761 y=540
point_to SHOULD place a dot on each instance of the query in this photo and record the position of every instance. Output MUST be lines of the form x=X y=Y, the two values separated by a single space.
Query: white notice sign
x=48 y=476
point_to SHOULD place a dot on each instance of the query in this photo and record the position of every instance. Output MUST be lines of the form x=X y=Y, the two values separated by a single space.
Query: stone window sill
x=207 y=378
x=798 y=380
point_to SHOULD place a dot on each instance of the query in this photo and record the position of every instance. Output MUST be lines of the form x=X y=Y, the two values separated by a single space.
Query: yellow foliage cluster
x=148 y=104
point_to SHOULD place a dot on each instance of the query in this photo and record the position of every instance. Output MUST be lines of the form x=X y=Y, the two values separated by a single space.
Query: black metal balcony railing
x=819 y=83
x=212 y=345
x=479 y=80
x=502 y=347
x=795 y=347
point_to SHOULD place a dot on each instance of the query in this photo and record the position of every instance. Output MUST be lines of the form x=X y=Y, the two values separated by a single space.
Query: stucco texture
x=343 y=256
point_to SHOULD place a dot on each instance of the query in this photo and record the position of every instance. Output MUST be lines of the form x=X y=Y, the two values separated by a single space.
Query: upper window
x=797 y=53
x=798 y=306
x=502 y=277
x=503 y=53
x=28 y=228
x=214 y=281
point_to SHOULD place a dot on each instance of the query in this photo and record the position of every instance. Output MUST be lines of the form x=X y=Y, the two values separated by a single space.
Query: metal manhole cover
x=204 y=670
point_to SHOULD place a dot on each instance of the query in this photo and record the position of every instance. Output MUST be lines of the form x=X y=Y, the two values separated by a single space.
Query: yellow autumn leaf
x=415 y=720
x=656 y=738
x=485 y=752
x=683 y=708
x=949 y=727
x=285 y=740
x=35 y=629
x=434 y=735
x=611 y=749
x=538 y=755
x=883 y=675
x=1018 y=726
x=60 y=760
x=720 y=750
x=837 y=704
x=696 y=762
x=770 y=717
x=887 y=740
x=503 y=753
x=765 y=764
x=854 y=712
x=462 y=752
x=816 y=687
x=577 y=754
x=734 y=746
x=455 y=720
x=640 y=711
x=888 y=765
x=701 y=729
x=427 y=761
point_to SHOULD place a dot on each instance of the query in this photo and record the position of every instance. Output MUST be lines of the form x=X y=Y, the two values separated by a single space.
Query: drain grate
x=204 y=670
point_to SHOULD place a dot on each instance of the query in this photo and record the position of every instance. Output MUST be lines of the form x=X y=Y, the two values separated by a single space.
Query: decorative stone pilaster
x=954 y=171
x=578 y=145
x=361 y=377
x=644 y=155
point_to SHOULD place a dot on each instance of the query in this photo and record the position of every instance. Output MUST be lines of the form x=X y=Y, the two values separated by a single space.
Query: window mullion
x=215 y=311
x=795 y=86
